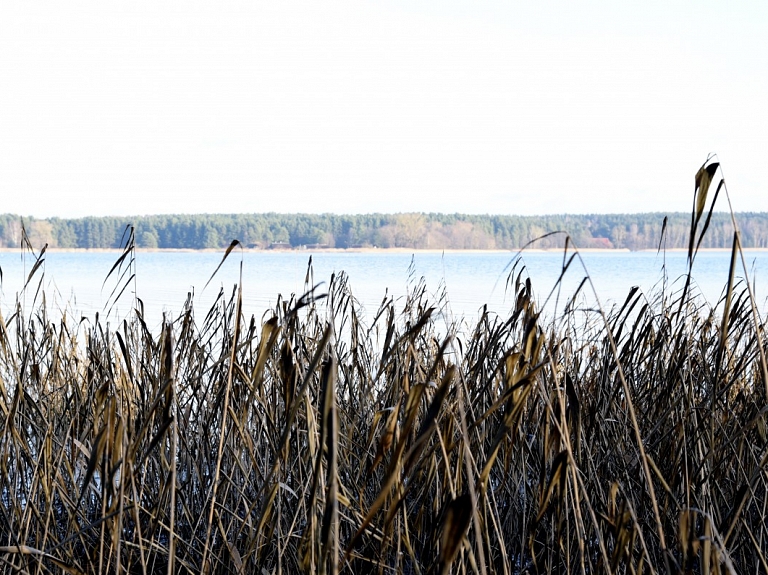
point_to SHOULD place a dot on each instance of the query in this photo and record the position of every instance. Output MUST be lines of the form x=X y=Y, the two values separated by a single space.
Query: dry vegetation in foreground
x=312 y=441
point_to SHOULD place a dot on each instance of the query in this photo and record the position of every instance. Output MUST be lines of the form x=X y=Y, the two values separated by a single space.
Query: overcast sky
x=352 y=107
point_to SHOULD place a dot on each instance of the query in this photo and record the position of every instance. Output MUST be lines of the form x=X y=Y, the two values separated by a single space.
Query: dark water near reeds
x=75 y=280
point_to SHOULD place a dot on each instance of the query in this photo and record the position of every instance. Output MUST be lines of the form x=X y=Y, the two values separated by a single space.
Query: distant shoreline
x=352 y=233
x=376 y=250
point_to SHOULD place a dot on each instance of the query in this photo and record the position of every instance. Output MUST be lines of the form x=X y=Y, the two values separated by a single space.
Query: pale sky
x=500 y=107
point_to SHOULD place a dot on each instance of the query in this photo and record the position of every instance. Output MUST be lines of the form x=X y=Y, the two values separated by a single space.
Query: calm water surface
x=74 y=280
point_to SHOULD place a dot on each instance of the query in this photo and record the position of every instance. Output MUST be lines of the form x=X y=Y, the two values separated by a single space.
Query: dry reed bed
x=313 y=441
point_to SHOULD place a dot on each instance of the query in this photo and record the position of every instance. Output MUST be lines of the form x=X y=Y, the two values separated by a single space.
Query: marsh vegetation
x=318 y=438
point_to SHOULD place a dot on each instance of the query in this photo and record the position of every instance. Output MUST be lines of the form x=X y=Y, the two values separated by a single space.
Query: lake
x=470 y=279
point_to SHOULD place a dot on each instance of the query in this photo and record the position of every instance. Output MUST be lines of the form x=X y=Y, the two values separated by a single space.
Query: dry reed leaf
x=706 y=547
x=387 y=437
x=269 y=332
x=456 y=520
x=659 y=475
x=557 y=478
x=703 y=180
x=228 y=251
x=26 y=550
x=237 y=561
x=429 y=423
x=329 y=534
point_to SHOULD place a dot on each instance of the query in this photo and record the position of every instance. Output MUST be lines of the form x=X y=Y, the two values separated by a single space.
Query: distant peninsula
x=403 y=230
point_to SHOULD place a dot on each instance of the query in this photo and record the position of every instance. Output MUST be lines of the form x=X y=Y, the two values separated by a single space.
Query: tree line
x=409 y=230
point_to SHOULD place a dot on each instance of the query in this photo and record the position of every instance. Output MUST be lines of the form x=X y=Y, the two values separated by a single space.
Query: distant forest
x=412 y=230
